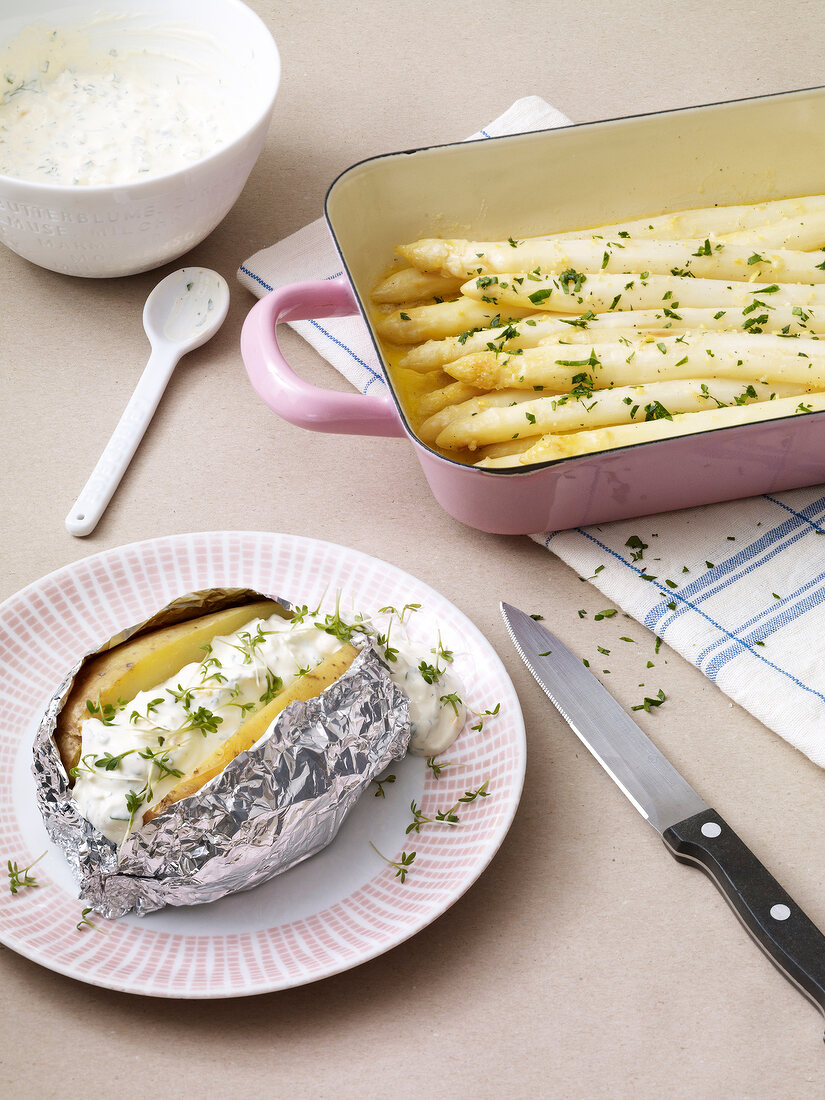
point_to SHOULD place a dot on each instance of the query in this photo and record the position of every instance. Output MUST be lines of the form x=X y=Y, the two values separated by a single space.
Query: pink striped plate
x=332 y=912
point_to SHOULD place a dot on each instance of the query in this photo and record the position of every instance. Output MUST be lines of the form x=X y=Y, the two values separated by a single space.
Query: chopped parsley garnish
x=571 y=278
x=539 y=296
x=656 y=411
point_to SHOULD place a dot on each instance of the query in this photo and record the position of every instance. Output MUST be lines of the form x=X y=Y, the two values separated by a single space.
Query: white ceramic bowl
x=123 y=228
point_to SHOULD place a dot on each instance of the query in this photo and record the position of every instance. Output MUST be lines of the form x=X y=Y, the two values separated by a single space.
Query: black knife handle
x=789 y=938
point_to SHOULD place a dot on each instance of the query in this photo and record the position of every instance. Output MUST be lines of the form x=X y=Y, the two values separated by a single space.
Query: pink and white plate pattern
x=330 y=913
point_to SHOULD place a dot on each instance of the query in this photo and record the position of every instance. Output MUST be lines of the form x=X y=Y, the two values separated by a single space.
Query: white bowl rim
x=57 y=189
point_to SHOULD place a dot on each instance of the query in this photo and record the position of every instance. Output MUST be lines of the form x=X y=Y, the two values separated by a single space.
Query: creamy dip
x=132 y=759
x=74 y=113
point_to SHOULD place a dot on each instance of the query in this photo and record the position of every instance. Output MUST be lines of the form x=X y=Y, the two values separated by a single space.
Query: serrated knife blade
x=692 y=831
x=627 y=754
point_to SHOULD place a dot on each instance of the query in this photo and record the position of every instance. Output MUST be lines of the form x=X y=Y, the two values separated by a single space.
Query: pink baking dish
x=600 y=172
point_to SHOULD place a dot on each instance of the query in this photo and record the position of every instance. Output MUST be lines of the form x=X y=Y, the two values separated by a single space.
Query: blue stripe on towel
x=376 y=377
x=746 y=561
x=786 y=615
x=740 y=643
x=815 y=506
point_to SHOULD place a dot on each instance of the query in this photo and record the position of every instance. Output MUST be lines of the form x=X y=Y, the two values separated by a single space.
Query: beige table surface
x=585 y=962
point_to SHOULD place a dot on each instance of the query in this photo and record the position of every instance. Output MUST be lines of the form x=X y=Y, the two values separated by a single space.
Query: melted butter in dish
x=132 y=758
x=75 y=113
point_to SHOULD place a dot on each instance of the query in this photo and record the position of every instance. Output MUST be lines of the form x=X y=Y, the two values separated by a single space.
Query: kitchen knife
x=692 y=831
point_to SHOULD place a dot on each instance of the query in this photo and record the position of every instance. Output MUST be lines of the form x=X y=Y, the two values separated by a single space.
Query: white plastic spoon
x=183 y=311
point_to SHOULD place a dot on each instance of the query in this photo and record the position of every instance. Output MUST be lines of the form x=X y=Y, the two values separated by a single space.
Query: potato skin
x=86 y=686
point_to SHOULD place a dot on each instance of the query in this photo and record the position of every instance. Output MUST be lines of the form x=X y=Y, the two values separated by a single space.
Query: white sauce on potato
x=132 y=759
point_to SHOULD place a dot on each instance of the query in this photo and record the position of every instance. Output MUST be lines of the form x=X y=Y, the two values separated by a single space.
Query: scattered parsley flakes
x=635 y=545
x=648 y=703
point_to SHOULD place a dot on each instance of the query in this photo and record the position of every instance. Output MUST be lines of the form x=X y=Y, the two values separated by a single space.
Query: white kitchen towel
x=737 y=588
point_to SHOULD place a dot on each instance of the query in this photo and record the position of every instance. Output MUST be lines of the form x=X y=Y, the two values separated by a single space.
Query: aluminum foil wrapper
x=275 y=805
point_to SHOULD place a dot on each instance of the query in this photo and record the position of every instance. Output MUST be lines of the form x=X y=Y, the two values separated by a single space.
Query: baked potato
x=208 y=752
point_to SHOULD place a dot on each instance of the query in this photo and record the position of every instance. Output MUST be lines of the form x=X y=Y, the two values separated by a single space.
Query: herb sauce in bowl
x=75 y=112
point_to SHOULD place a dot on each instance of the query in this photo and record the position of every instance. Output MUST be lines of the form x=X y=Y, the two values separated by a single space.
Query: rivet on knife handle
x=787 y=936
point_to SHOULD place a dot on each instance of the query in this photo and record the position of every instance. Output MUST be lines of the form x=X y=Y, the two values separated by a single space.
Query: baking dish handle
x=283 y=391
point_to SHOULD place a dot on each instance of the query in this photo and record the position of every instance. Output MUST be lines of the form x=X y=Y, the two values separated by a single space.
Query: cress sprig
x=84 y=922
x=442 y=817
x=448 y=816
x=402 y=865
x=380 y=783
x=20 y=877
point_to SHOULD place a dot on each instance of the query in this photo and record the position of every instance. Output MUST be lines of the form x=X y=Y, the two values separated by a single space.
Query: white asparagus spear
x=734 y=355
x=695 y=224
x=711 y=220
x=526 y=333
x=584 y=409
x=554 y=447
x=436 y=423
x=597 y=328
x=508 y=447
x=802 y=232
x=600 y=293
x=705 y=259
x=417 y=323
x=411 y=285
x=451 y=394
